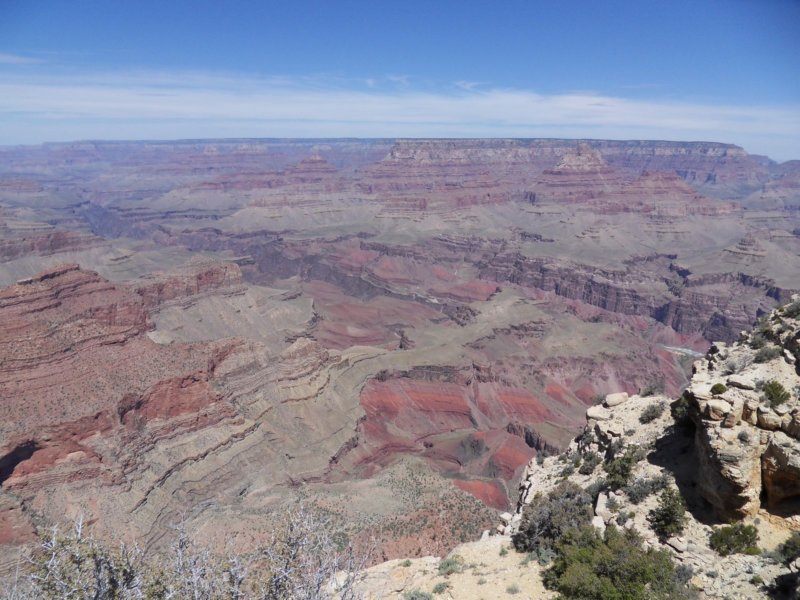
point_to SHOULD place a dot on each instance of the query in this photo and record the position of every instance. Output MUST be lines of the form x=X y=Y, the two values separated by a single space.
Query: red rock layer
x=74 y=363
x=196 y=277
x=17 y=246
x=480 y=433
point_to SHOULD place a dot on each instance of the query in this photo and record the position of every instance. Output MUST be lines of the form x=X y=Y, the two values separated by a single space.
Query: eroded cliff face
x=744 y=405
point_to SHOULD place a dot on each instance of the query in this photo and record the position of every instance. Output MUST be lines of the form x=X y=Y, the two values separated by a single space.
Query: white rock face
x=599 y=524
x=598 y=413
x=616 y=399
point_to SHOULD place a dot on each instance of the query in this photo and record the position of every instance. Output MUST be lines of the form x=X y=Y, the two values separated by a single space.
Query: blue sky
x=722 y=70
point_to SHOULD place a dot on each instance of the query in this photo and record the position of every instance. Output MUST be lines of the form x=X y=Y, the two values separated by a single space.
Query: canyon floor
x=389 y=330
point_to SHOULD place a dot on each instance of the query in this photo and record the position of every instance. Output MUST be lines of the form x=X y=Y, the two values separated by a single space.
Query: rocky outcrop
x=661 y=458
x=654 y=286
x=16 y=243
x=580 y=176
x=196 y=277
x=748 y=439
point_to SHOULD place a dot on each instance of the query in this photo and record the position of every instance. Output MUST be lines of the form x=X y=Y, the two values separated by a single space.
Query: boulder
x=615 y=399
x=601 y=508
x=743 y=383
x=598 y=413
x=716 y=409
x=599 y=524
x=769 y=421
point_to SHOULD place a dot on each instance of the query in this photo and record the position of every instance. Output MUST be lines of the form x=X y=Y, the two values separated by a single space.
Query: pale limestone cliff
x=747 y=445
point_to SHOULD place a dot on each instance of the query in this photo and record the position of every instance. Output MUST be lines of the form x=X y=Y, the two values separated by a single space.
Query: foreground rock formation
x=747 y=438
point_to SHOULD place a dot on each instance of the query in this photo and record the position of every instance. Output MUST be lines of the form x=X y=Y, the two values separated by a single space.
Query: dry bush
x=301 y=561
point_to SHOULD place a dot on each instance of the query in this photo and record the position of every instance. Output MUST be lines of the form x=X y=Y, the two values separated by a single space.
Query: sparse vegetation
x=734 y=365
x=767 y=353
x=680 y=412
x=546 y=521
x=669 y=517
x=513 y=589
x=652 y=412
x=619 y=469
x=653 y=388
x=590 y=567
x=590 y=462
x=718 y=388
x=790 y=549
x=737 y=538
x=775 y=393
x=298 y=562
x=792 y=310
x=441 y=587
x=417 y=595
x=758 y=340
x=643 y=487
x=450 y=565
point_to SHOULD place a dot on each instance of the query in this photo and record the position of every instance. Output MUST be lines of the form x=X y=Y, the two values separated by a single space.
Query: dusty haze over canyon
x=389 y=329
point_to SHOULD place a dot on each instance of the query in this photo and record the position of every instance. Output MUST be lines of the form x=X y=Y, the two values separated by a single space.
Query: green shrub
x=767 y=353
x=652 y=412
x=644 y=487
x=758 y=340
x=613 y=567
x=790 y=549
x=450 y=565
x=669 y=517
x=546 y=520
x=417 y=595
x=775 y=393
x=734 y=539
x=405 y=563
x=593 y=489
x=792 y=310
x=718 y=388
x=513 y=589
x=680 y=412
x=619 y=469
x=656 y=387
x=590 y=462
x=441 y=587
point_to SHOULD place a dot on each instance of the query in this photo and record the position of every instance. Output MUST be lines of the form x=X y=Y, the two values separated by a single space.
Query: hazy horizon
x=722 y=71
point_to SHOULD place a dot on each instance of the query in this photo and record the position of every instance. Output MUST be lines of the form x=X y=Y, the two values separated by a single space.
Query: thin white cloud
x=16 y=59
x=163 y=105
x=469 y=85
